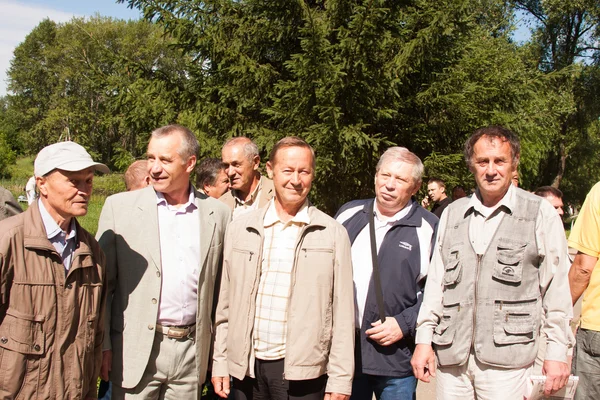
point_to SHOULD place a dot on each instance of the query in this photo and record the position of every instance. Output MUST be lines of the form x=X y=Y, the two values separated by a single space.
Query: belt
x=177 y=332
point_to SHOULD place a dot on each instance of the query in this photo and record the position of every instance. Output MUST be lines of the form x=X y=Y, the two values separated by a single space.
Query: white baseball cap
x=68 y=156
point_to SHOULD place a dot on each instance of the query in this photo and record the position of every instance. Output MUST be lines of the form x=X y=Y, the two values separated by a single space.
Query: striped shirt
x=270 y=320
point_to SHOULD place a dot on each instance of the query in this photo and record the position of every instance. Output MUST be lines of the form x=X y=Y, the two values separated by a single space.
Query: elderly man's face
x=492 y=165
x=240 y=169
x=394 y=186
x=220 y=187
x=67 y=193
x=292 y=173
x=169 y=172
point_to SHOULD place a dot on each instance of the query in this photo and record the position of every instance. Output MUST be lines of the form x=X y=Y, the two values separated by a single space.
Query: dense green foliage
x=351 y=76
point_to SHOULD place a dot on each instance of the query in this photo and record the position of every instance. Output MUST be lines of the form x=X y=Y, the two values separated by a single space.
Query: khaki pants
x=475 y=380
x=170 y=373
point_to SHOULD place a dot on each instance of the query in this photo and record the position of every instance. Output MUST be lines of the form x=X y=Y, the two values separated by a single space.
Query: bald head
x=136 y=176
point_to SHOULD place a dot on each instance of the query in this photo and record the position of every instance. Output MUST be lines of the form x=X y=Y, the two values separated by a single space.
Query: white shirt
x=362 y=262
x=63 y=242
x=179 y=232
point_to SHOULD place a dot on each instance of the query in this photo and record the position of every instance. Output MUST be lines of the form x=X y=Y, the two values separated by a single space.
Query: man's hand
x=423 y=362
x=106 y=364
x=336 y=396
x=221 y=385
x=385 y=334
x=557 y=374
x=425 y=202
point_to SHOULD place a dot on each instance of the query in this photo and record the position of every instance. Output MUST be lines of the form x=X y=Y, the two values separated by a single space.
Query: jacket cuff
x=403 y=325
x=337 y=386
x=424 y=336
x=220 y=369
x=556 y=352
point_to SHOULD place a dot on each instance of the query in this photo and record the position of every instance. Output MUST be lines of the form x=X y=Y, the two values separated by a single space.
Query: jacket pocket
x=509 y=265
x=443 y=334
x=22 y=343
x=514 y=322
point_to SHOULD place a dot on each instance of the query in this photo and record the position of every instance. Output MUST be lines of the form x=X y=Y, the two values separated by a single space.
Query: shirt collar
x=301 y=217
x=252 y=196
x=507 y=203
x=52 y=228
x=188 y=206
x=394 y=218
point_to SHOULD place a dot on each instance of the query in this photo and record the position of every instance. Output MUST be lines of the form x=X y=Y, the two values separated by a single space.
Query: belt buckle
x=177 y=333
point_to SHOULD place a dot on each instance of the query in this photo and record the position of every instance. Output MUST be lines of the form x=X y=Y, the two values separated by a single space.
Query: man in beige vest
x=499 y=268
x=249 y=189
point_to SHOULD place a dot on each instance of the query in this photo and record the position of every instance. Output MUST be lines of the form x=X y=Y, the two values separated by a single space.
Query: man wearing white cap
x=52 y=288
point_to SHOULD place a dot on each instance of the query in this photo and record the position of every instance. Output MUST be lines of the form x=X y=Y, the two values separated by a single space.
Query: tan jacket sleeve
x=340 y=367
x=219 y=366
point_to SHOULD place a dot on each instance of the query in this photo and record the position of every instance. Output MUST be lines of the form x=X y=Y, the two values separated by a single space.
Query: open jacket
x=51 y=327
x=320 y=318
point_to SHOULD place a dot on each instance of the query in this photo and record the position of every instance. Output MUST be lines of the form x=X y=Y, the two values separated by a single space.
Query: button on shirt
x=270 y=321
x=179 y=232
x=362 y=262
x=63 y=242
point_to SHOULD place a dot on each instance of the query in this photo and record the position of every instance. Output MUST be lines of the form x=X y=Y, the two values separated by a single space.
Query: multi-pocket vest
x=492 y=303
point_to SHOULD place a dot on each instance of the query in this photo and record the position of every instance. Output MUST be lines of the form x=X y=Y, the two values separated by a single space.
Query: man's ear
x=41 y=185
x=269 y=170
x=255 y=163
x=190 y=164
x=416 y=188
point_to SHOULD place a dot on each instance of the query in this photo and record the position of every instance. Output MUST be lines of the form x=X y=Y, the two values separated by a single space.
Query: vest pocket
x=452 y=273
x=514 y=323
x=509 y=265
x=443 y=334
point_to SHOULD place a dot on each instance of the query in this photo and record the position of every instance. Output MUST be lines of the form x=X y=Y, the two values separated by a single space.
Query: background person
x=554 y=196
x=137 y=177
x=249 y=189
x=436 y=190
x=211 y=177
x=53 y=285
x=8 y=205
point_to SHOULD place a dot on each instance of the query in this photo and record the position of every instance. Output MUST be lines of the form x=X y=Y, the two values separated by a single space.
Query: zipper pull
x=251 y=254
x=305 y=253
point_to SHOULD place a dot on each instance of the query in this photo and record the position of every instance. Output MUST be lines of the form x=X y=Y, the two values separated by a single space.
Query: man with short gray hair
x=499 y=267
x=53 y=285
x=249 y=189
x=163 y=248
x=404 y=234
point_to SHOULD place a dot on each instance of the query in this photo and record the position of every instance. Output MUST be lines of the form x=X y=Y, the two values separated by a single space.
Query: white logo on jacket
x=405 y=245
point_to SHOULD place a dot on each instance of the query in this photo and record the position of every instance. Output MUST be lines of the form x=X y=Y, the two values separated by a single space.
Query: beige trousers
x=475 y=380
x=170 y=373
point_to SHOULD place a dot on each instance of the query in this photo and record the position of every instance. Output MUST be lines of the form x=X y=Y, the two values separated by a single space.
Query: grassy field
x=104 y=186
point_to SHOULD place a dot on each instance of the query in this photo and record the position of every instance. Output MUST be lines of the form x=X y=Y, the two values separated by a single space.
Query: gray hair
x=189 y=143
x=402 y=154
x=250 y=148
x=491 y=132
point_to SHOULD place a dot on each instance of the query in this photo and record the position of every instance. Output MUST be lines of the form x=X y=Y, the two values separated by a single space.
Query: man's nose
x=295 y=178
x=154 y=166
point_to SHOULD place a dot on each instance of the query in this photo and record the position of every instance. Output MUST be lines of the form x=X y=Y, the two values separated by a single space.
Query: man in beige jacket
x=285 y=316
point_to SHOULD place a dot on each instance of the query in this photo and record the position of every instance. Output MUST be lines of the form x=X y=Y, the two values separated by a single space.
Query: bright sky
x=19 y=17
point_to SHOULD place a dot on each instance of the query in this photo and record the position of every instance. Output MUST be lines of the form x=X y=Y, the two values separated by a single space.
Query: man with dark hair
x=53 y=285
x=404 y=235
x=284 y=324
x=8 y=205
x=163 y=248
x=554 y=196
x=211 y=177
x=436 y=191
x=499 y=268
x=136 y=177
x=249 y=189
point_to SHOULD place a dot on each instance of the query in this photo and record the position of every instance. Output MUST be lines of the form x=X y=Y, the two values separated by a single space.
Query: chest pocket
x=509 y=266
x=315 y=263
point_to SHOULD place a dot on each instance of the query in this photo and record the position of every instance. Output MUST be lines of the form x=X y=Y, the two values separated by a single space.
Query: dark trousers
x=270 y=384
